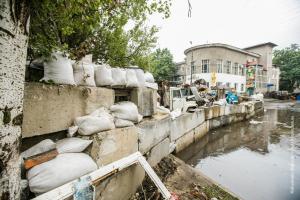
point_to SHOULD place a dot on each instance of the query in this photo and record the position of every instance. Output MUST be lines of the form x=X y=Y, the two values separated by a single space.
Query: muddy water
x=258 y=161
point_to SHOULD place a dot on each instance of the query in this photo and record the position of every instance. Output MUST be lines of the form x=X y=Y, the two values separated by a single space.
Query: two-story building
x=221 y=64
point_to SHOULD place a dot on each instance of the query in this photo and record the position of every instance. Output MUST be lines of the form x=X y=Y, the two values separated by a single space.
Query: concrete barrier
x=53 y=108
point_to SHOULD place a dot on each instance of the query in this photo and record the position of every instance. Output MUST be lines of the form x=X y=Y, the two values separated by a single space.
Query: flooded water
x=258 y=160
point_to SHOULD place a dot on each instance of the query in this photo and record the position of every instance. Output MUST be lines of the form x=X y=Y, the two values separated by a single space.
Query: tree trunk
x=14 y=22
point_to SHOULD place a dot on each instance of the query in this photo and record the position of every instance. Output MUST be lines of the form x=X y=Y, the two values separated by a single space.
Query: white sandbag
x=151 y=85
x=101 y=112
x=72 y=145
x=88 y=125
x=103 y=75
x=131 y=79
x=58 y=69
x=162 y=110
x=72 y=130
x=41 y=147
x=140 y=75
x=119 y=77
x=149 y=77
x=120 y=123
x=58 y=171
x=84 y=73
x=125 y=110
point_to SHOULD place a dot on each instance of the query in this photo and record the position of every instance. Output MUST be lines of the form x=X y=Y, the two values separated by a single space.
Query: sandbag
x=62 y=169
x=152 y=85
x=88 y=125
x=119 y=77
x=101 y=112
x=103 y=75
x=131 y=79
x=72 y=145
x=84 y=72
x=120 y=123
x=140 y=75
x=149 y=77
x=125 y=110
x=41 y=147
x=58 y=69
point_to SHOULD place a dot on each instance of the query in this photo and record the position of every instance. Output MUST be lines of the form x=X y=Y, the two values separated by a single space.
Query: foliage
x=288 y=60
x=101 y=27
x=161 y=64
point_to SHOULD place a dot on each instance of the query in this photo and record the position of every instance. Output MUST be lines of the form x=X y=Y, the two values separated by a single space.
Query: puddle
x=254 y=160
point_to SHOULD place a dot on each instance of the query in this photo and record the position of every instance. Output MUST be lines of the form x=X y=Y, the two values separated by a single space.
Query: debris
x=40 y=158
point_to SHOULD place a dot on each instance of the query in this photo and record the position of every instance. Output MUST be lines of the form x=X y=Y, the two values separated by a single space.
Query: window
x=235 y=86
x=205 y=66
x=219 y=83
x=227 y=67
x=228 y=85
x=193 y=68
x=242 y=87
x=235 y=68
x=241 y=70
x=220 y=66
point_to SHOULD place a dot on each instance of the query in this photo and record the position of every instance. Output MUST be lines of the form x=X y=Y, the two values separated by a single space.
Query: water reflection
x=253 y=160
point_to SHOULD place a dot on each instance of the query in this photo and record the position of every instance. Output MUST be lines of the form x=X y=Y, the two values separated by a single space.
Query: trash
x=103 y=75
x=72 y=145
x=131 y=79
x=41 y=147
x=58 y=69
x=231 y=98
x=39 y=158
x=149 y=77
x=88 y=125
x=125 y=110
x=119 y=77
x=120 y=123
x=83 y=189
x=255 y=122
x=84 y=72
x=62 y=169
x=175 y=113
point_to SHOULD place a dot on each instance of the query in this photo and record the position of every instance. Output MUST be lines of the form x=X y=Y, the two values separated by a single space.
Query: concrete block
x=222 y=110
x=112 y=145
x=151 y=132
x=53 y=108
x=146 y=100
x=184 y=141
x=158 y=152
x=216 y=111
x=122 y=185
x=186 y=123
x=208 y=113
x=201 y=130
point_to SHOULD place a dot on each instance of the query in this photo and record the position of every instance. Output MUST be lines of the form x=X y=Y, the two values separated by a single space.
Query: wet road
x=258 y=160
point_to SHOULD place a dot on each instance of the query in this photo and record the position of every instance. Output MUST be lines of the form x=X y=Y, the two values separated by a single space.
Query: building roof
x=226 y=46
x=262 y=44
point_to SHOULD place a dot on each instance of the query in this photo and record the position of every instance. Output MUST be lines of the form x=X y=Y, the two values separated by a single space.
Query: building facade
x=221 y=64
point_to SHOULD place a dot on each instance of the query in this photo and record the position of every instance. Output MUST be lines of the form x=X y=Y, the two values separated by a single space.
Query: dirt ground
x=183 y=180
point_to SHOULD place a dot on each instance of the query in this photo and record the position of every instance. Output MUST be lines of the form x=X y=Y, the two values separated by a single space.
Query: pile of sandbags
x=69 y=164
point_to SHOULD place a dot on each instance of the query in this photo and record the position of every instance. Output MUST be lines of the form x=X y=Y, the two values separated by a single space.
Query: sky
x=240 y=23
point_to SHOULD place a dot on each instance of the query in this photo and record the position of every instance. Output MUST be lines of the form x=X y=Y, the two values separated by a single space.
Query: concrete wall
x=53 y=108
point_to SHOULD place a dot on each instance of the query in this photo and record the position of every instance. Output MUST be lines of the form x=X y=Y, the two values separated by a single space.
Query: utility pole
x=192 y=65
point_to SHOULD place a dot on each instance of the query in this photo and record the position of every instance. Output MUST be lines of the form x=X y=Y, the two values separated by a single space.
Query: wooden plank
x=162 y=188
x=39 y=158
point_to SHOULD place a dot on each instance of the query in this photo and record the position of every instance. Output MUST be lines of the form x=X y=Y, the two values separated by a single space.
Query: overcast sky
x=239 y=23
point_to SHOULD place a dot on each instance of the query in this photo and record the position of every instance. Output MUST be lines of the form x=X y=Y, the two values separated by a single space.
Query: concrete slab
x=121 y=186
x=53 y=108
x=158 y=152
x=112 y=145
x=151 y=132
x=146 y=100
x=201 y=130
x=186 y=123
x=184 y=141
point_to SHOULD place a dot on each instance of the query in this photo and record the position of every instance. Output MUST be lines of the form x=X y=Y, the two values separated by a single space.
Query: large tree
x=114 y=31
x=161 y=64
x=14 y=23
x=288 y=59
